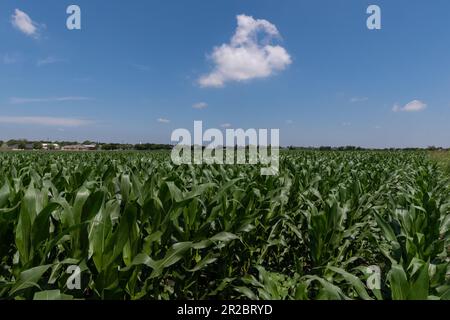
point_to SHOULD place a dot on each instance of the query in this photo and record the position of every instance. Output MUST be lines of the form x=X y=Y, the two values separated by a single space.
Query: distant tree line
x=354 y=148
x=139 y=147
x=38 y=145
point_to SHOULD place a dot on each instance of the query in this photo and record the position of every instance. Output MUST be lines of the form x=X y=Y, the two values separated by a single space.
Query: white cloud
x=16 y=100
x=413 y=106
x=358 y=99
x=46 y=121
x=200 y=105
x=247 y=56
x=225 y=125
x=48 y=60
x=289 y=121
x=162 y=120
x=24 y=23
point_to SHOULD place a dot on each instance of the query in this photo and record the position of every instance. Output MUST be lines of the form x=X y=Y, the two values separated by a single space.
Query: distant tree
x=37 y=145
x=151 y=146
x=66 y=143
x=16 y=142
x=111 y=146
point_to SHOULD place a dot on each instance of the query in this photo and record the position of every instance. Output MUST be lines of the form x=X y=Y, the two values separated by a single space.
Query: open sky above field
x=138 y=70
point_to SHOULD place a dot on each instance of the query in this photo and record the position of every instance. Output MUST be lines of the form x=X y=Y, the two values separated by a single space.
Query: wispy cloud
x=162 y=120
x=140 y=67
x=413 y=106
x=289 y=121
x=48 y=60
x=15 y=100
x=346 y=124
x=225 y=125
x=358 y=99
x=200 y=105
x=22 y=21
x=248 y=55
x=46 y=121
x=9 y=58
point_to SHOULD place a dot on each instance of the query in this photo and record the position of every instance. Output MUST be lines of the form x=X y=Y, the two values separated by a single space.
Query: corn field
x=331 y=225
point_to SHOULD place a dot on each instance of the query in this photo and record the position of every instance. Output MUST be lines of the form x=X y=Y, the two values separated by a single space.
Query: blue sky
x=134 y=71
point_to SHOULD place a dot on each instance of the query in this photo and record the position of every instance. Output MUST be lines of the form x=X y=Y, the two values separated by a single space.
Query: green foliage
x=141 y=228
